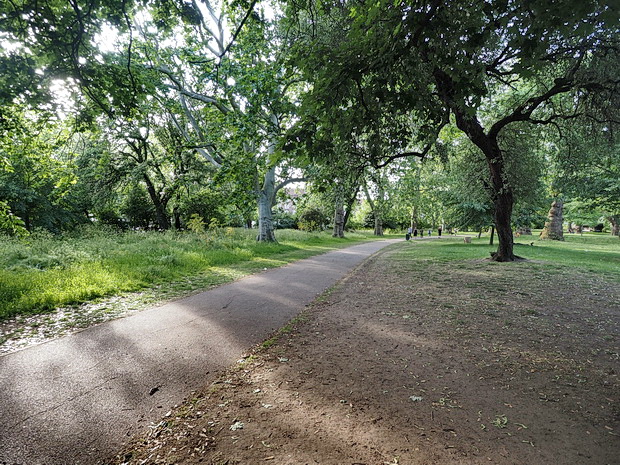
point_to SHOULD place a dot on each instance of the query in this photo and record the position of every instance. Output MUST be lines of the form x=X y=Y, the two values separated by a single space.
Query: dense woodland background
x=194 y=114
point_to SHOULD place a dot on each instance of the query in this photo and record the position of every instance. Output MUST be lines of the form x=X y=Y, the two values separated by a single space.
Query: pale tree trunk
x=374 y=206
x=378 y=225
x=339 y=217
x=265 y=203
x=615 y=225
x=553 y=226
x=414 y=217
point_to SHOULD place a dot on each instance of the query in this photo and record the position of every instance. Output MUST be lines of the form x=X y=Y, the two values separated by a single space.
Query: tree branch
x=287 y=182
x=524 y=111
x=234 y=37
x=189 y=93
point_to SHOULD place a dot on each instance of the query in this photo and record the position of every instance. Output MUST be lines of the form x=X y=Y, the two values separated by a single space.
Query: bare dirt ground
x=419 y=362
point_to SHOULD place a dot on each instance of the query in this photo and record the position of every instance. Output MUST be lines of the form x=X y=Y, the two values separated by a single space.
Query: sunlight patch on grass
x=44 y=271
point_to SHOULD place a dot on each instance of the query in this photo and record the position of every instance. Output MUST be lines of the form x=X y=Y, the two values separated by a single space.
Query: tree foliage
x=148 y=113
x=401 y=70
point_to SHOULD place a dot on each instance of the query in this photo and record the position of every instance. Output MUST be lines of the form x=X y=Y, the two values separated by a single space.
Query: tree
x=436 y=60
x=9 y=223
x=588 y=170
x=554 y=225
x=233 y=91
x=217 y=70
x=37 y=177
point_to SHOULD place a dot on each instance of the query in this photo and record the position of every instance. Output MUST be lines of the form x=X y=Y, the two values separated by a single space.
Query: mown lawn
x=596 y=253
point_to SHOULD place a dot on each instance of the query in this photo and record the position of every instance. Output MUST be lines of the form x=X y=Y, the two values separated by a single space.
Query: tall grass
x=44 y=272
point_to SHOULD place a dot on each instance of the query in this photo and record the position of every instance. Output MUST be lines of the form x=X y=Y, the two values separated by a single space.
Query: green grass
x=44 y=272
x=596 y=253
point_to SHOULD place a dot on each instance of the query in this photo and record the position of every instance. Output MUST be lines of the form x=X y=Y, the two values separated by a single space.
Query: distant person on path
x=415 y=232
x=439 y=232
x=430 y=232
x=408 y=235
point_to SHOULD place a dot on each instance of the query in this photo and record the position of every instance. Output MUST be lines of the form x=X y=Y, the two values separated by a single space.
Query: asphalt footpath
x=77 y=399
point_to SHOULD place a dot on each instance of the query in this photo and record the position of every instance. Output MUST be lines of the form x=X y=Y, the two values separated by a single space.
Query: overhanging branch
x=238 y=30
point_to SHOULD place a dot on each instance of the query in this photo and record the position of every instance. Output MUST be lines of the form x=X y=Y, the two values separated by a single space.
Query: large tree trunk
x=376 y=212
x=349 y=207
x=553 y=226
x=501 y=191
x=163 y=222
x=338 y=218
x=265 y=203
x=378 y=225
x=503 y=213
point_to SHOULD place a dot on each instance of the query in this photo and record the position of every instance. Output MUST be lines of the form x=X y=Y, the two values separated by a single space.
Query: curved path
x=75 y=400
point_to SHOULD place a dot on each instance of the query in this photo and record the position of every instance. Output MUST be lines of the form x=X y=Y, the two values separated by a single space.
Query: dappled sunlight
x=404 y=363
x=81 y=396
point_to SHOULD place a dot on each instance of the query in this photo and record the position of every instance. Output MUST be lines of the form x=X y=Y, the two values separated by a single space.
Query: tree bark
x=553 y=226
x=376 y=213
x=615 y=225
x=414 y=217
x=163 y=222
x=338 y=217
x=177 y=218
x=378 y=225
x=501 y=191
x=349 y=207
x=265 y=203
x=503 y=214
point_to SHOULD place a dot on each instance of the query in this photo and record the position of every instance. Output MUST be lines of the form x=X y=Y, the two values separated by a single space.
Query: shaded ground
x=411 y=362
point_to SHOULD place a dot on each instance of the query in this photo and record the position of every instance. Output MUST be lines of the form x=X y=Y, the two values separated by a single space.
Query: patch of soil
x=419 y=362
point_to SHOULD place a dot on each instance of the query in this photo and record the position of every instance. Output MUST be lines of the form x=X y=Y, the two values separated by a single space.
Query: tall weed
x=44 y=271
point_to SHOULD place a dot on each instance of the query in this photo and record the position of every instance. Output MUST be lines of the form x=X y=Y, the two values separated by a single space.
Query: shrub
x=312 y=219
x=283 y=220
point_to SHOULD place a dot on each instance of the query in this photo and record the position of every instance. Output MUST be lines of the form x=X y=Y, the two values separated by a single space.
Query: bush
x=9 y=223
x=283 y=220
x=138 y=209
x=312 y=219
x=203 y=203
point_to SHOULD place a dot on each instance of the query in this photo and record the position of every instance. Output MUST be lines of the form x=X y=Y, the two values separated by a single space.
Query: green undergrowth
x=588 y=253
x=44 y=272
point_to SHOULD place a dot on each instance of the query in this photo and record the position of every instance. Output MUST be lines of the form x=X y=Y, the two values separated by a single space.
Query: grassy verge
x=46 y=272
